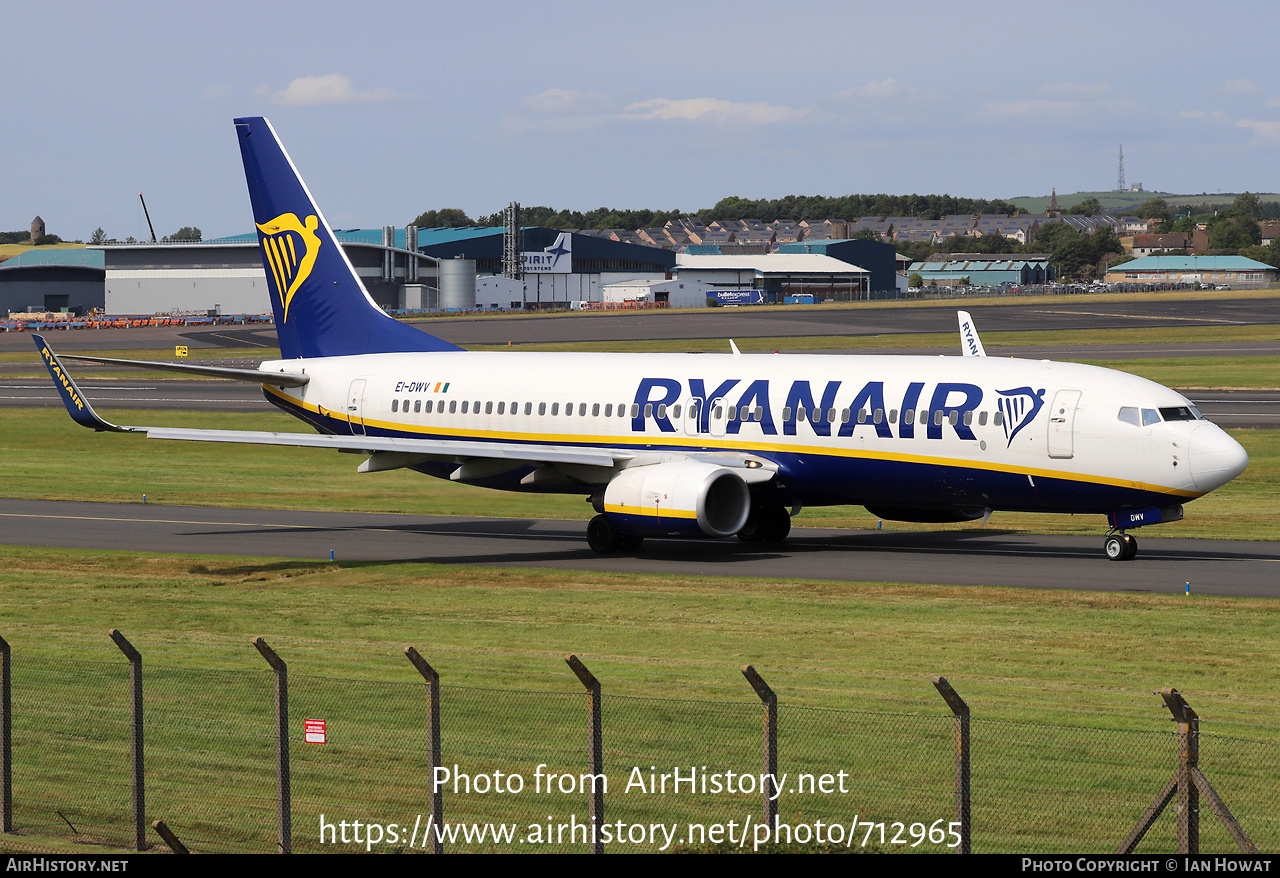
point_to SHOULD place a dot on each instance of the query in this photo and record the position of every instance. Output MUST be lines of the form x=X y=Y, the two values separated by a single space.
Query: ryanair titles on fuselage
x=947 y=404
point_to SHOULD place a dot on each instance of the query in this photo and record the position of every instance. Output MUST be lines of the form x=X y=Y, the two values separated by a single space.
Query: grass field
x=1071 y=743
x=1054 y=679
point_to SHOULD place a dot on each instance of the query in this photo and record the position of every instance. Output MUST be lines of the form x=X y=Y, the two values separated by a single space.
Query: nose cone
x=1215 y=457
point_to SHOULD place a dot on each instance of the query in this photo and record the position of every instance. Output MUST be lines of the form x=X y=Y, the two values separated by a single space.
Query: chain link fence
x=513 y=773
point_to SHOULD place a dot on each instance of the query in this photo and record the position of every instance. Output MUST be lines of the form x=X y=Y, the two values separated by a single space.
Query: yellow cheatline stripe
x=667 y=442
x=654 y=511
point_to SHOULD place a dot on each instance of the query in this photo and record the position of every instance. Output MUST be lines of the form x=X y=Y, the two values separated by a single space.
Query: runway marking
x=351 y=528
x=239 y=340
x=1144 y=317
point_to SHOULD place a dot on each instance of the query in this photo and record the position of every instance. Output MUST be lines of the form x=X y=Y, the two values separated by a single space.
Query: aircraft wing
x=387 y=452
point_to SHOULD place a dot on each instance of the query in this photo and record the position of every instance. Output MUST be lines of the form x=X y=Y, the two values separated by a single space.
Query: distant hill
x=1124 y=202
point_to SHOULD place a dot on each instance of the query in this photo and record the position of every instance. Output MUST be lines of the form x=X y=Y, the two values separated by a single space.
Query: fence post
x=436 y=809
x=169 y=838
x=961 y=710
x=6 y=736
x=1188 y=724
x=135 y=726
x=769 y=745
x=1188 y=784
x=284 y=820
x=595 y=759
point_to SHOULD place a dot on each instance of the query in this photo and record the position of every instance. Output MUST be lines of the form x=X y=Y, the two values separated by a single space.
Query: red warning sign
x=313 y=731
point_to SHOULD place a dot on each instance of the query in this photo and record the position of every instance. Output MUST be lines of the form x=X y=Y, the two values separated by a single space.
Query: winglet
x=77 y=406
x=733 y=347
x=970 y=344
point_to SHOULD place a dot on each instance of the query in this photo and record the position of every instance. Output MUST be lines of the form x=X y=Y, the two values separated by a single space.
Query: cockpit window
x=1129 y=415
x=1149 y=417
x=1181 y=413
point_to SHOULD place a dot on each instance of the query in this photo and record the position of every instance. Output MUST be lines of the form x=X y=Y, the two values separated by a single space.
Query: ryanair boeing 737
x=698 y=445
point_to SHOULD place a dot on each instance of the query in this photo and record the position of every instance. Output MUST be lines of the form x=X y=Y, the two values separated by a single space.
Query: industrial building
x=982 y=269
x=48 y=279
x=1236 y=272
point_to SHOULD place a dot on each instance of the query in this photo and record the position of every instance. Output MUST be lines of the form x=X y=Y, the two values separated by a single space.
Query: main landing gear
x=605 y=539
x=1121 y=546
x=766 y=524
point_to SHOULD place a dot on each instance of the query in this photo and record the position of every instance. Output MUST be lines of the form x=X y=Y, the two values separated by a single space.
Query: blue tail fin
x=321 y=308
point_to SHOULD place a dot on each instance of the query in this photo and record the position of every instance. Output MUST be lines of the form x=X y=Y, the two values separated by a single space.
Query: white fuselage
x=968 y=432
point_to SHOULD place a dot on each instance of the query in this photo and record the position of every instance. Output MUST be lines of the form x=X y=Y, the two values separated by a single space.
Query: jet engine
x=677 y=498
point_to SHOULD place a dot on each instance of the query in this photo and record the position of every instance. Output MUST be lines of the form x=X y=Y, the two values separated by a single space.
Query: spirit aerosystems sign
x=556 y=259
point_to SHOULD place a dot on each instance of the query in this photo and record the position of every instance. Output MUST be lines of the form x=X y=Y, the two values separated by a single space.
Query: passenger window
x=582 y=409
x=968 y=418
x=982 y=419
x=464 y=406
x=878 y=416
x=862 y=416
x=786 y=413
x=635 y=410
x=488 y=407
x=716 y=412
x=953 y=418
x=429 y=406
x=937 y=418
x=758 y=414
x=608 y=410
x=453 y=406
x=648 y=410
x=568 y=410
x=595 y=410
x=502 y=406
x=924 y=417
x=675 y=412
x=662 y=410
x=908 y=415
x=417 y=406
x=893 y=416
x=395 y=405
x=555 y=409
x=528 y=408
x=831 y=415
x=1149 y=417
x=542 y=408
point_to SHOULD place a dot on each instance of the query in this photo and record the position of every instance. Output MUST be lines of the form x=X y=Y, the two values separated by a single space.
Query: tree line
x=815 y=208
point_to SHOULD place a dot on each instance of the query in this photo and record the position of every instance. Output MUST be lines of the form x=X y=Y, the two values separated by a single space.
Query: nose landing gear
x=1120 y=546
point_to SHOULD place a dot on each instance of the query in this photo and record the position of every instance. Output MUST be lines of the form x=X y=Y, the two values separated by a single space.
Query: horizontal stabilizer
x=255 y=376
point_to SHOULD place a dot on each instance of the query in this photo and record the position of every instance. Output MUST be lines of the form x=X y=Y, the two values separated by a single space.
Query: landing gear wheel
x=629 y=543
x=776 y=524
x=602 y=536
x=766 y=524
x=1121 y=547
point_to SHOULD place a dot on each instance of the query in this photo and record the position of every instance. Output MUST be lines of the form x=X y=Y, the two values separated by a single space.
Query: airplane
x=696 y=445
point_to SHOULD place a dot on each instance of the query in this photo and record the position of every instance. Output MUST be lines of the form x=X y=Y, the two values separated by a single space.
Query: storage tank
x=457 y=284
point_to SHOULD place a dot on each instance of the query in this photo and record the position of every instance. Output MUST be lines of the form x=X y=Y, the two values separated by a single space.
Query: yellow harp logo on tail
x=290 y=247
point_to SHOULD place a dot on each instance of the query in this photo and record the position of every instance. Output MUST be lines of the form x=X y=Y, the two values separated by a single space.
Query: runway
x=966 y=558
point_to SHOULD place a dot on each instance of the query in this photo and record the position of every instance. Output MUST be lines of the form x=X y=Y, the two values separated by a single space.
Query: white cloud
x=1274 y=102
x=317 y=91
x=713 y=110
x=1263 y=130
x=1073 y=90
x=1239 y=87
x=216 y=92
x=886 y=91
x=567 y=101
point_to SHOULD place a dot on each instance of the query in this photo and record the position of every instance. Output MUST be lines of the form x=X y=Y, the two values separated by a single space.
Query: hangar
x=1233 y=271
x=404 y=268
x=47 y=279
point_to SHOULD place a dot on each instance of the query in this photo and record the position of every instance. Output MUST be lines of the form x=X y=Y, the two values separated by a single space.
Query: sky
x=390 y=109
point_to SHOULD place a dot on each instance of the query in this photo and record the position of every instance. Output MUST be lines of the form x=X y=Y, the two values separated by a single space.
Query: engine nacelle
x=678 y=498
